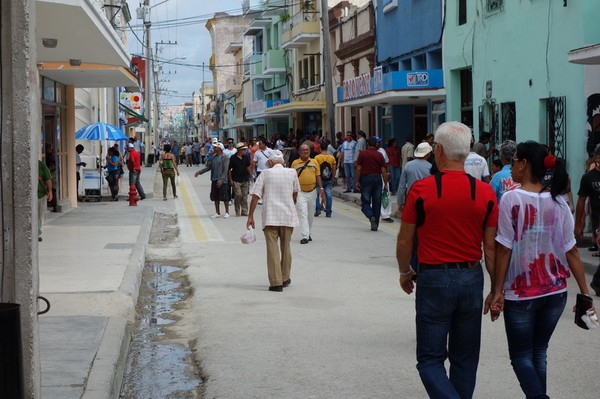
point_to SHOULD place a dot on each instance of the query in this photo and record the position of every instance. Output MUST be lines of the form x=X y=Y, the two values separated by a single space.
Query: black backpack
x=326 y=172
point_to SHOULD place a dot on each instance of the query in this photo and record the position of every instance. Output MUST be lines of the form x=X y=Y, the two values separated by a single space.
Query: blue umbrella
x=100 y=131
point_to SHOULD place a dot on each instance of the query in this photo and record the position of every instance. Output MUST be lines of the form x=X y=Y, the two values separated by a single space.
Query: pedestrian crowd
x=457 y=218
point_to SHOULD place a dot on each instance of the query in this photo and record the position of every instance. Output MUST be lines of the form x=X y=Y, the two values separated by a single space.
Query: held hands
x=494 y=303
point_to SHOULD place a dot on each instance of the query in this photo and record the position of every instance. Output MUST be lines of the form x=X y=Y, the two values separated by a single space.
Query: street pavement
x=343 y=329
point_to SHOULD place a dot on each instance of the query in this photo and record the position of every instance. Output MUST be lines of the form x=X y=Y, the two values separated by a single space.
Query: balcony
x=233 y=85
x=273 y=61
x=299 y=30
x=255 y=62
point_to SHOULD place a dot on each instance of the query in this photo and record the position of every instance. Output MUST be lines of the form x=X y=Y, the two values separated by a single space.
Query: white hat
x=219 y=145
x=422 y=150
x=276 y=154
x=215 y=140
x=129 y=145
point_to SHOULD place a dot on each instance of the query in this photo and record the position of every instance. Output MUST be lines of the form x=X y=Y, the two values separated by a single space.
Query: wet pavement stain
x=157 y=367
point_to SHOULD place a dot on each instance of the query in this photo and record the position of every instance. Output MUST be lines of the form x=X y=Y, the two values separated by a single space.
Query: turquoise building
x=507 y=72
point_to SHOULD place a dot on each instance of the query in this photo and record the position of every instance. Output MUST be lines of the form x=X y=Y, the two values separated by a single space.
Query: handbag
x=585 y=315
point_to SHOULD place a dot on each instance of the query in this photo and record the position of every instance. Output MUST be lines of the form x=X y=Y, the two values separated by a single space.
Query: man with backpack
x=327 y=167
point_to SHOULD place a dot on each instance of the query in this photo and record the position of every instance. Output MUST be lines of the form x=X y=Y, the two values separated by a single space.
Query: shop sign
x=359 y=86
x=378 y=79
x=417 y=79
x=132 y=101
x=255 y=108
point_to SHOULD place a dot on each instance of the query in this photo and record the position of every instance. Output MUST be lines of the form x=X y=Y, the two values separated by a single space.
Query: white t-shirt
x=261 y=157
x=476 y=166
x=539 y=231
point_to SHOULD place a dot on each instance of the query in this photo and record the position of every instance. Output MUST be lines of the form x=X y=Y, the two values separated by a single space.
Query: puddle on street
x=157 y=366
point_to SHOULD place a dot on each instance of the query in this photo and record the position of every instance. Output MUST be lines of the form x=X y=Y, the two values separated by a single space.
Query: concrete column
x=71 y=144
x=20 y=108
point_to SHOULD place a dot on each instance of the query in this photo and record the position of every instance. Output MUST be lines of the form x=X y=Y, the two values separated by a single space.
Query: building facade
x=511 y=78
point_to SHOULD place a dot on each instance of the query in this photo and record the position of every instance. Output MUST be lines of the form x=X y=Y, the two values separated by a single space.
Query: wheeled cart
x=92 y=185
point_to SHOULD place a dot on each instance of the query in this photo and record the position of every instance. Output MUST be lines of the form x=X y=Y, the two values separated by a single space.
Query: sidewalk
x=90 y=264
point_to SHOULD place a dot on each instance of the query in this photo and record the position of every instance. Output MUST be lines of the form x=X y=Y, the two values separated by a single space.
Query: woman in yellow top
x=168 y=168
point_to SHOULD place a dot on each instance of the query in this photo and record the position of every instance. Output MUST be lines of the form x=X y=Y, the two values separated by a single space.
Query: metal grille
x=556 y=125
x=488 y=120
x=509 y=122
x=493 y=6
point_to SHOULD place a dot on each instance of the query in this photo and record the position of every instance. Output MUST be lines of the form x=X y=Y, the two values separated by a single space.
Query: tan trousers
x=278 y=263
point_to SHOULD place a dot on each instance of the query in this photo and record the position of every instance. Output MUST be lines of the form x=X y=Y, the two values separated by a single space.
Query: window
x=309 y=71
x=509 y=121
x=462 y=12
x=556 y=125
x=488 y=119
x=493 y=6
x=466 y=97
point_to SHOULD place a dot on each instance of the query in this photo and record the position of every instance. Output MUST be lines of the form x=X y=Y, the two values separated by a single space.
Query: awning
x=241 y=125
x=408 y=97
x=89 y=75
x=588 y=55
x=87 y=52
x=296 y=106
x=132 y=112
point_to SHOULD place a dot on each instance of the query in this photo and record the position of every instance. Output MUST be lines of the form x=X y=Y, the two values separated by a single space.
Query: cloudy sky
x=181 y=21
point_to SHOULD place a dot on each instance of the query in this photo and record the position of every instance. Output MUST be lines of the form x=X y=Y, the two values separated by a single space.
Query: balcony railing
x=300 y=29
x=274 y=61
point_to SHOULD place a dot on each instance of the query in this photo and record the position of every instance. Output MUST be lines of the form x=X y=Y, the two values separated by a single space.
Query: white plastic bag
x=177 y=180
x=249 y=236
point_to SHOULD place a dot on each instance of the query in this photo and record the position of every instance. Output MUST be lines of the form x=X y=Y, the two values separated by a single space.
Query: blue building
x=406 y=84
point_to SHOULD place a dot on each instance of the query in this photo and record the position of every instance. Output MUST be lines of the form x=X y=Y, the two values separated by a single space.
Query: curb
x=106 y=375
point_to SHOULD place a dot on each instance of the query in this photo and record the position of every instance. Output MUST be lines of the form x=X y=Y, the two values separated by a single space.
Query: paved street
x=343 y=329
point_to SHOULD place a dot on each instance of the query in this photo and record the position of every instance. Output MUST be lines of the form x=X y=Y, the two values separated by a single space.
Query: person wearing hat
x=135 y=168
x=239 y=176
x=414 y=170
x=278 y=187
x=219 y=188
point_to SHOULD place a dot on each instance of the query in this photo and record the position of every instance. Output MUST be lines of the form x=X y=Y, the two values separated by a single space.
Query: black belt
x=451 y=265
x=309 y=191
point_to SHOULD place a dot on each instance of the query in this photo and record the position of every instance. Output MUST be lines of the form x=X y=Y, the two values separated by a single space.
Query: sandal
x=596 y=254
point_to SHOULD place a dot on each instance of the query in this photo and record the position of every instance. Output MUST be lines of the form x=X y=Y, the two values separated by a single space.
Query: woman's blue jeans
x=449 y=304
x=328 y=186
x=529 y=326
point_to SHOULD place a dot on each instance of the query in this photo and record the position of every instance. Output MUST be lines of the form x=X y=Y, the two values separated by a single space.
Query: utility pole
x=156 y=88
x=147 y=131
x=202 y=102
x=327 y=72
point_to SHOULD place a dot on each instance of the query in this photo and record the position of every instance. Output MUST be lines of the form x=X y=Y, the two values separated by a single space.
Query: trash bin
x=11 y=354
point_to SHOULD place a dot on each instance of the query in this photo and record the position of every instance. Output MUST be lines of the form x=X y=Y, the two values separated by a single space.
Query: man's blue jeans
x=395 y=172
x=370 y=195
x=134 y=178
x=328 y=186
x=529 y=326
x=350 y=175
x=449 y=304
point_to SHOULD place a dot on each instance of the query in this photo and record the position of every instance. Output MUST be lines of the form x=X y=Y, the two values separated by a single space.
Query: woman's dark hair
x=391 y=142
x=545 y=167
x=498 y=163
x=167 y=148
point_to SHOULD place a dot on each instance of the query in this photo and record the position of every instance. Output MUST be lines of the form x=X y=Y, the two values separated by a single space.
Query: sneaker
x=596 y=287
x=317 y=213
x=226 y=216
x=259 y=202
x=389 y=220
x=175 y=196
x=215 y=216
x=373 y=223
x=328 y=215
x=304 y=241
x=164 y=198
x=347 y=191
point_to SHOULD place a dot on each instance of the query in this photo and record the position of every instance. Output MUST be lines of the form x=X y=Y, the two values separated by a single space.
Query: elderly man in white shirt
x=278 y=188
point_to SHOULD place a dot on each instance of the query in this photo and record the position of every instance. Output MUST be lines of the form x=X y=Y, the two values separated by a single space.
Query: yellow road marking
x=193 y=217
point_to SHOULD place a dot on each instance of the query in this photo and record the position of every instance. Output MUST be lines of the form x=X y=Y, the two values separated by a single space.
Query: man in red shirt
x=134 y=166
x=452 y=213
x=370 y=168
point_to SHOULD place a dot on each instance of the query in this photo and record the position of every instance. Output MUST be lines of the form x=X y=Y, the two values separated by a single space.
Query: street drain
x=157 y=365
